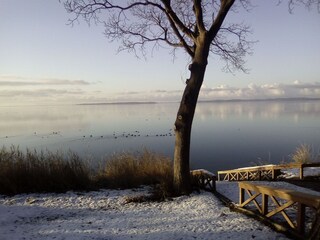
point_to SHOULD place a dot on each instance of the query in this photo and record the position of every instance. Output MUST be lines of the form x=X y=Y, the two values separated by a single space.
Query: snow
x=106 y=214
x=254 y=167
x=228 y=188
x=294 y=173
x=203 y=171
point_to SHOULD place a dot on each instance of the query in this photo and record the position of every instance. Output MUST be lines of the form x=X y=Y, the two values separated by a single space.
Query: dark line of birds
x=115 y=136
x=35 y=134
x=135 y=134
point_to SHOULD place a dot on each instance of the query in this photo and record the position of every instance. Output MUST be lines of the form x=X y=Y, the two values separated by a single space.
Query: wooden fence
x=203 y=179
x=282 y=200
x=265 y=172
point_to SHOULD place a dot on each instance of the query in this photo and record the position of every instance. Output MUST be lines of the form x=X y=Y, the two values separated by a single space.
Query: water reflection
x=259 y=109
x=238 y=134
x=225 y=134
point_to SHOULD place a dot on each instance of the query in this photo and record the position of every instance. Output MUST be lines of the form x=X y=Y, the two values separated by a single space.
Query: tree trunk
x=184 y=120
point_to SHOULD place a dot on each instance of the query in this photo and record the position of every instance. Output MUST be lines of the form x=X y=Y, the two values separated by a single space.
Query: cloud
x=155 y=95
x=71 y=94
x=38 y=93
x=266 y=91
x=14 y=81
x=225 y=92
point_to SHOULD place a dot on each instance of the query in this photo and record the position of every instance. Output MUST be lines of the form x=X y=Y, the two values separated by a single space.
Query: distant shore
x=205 y=101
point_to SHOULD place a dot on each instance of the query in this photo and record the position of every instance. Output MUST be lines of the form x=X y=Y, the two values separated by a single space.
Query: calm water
x=225 y=134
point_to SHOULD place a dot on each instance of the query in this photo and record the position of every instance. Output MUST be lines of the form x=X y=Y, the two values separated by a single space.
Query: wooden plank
x=303 y=200
x=281 y=209
x=233 y=176
x=241 y=195
x=264 y=204
x=252 y=197
x=272 y=174
x=307 y=199
x=265 y=172
x=271 y=167
x=304 y=165
x=301 y=215
x=301 y=173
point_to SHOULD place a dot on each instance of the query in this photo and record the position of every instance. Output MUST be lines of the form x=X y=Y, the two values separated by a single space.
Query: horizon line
x=206 y=101
x=176 y=101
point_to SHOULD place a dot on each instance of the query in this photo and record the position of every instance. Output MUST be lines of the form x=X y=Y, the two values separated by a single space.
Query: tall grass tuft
x=132 y=170
x=303 y=154
x=34 y=171
x=41 y=172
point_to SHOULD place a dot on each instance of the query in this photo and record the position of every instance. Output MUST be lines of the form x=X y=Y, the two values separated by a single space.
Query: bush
x=303 y=154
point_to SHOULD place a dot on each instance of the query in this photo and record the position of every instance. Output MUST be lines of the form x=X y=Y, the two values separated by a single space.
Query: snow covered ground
x=106 y=215
x=230 y=188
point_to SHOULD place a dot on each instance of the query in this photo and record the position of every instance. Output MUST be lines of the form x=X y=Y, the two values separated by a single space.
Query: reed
x=303 y=154
x=41 y=172
x=32 y=171
x=129 y=170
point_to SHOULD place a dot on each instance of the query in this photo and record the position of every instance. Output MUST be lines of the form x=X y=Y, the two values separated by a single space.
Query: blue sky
x=45 y=61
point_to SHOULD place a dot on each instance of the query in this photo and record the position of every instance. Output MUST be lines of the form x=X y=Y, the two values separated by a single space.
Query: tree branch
x=306 y=3
x=180 y=37
x=177 y=22
x=199 y=15
x=217 y=23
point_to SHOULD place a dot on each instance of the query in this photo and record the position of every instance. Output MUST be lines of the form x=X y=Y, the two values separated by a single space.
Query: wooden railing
x=203 y=179
x=265 y=172
x=282 y=201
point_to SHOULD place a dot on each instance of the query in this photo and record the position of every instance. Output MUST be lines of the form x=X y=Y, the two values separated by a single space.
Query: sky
x=43 y=60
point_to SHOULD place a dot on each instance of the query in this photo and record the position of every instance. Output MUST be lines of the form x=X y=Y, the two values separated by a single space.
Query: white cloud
x=225 y=92
x=14 y=81
x=266 y=91
x=69 y=94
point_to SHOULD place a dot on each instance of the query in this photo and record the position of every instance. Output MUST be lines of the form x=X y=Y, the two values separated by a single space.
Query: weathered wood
x=264 y=204
x=266 y=172
x=301 y=215
x=269 y=222
x=315 y=231
x=241 y=196
x=302 y=200
x=281 y=209
x=301 y=172
x=253 y=199
x=307 y=199
x=203 y=179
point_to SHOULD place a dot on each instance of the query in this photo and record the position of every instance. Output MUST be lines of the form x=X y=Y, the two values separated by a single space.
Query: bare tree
x=197 y=26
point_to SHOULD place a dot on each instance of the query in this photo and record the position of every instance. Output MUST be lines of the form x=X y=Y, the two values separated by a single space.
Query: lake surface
x=225 y=135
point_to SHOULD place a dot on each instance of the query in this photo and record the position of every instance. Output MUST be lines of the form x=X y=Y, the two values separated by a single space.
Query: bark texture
x=183 y=123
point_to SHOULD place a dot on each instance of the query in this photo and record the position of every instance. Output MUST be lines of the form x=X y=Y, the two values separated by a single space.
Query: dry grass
x=41 y=172
x=303 y=154
x=57 y=172
x=132 y=170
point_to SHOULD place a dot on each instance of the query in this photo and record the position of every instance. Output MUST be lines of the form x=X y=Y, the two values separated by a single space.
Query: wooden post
x=241 y=196
x=301 y=172
x=301 y=218
x=264 y=204
x=272 y=174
